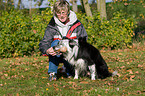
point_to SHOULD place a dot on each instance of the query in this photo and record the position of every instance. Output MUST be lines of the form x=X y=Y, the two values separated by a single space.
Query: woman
x=63 y=20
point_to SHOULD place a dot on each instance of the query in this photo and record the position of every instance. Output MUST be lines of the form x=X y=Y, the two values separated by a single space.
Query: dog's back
x=92 y=56
x=82 y=55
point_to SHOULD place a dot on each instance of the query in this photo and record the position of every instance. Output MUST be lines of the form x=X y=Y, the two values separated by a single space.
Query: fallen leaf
x=26 y=69
x=118 y=74
x=112 y=78
x=34 y=31
x=138 y=92
x=120 y=54
x=17 y=94
x=62 y=78
x=1 y=85
x=22 y=76
x=122 y=67
x=1 y=73
x=47 y=67
x=57 y=89
x=85 y=91
x=136 y=72
x=131 y=77
x=140 y=65
x=109 y=84
x=95 y=90
x=106 y=90
x=35 y=58
x=13 y=69
x=72 y=83
x=44 y=77
x=84 y=82
x=117 y=89
x=48 y=84
x=6 y=75
x=130 y=71
x=125 y=78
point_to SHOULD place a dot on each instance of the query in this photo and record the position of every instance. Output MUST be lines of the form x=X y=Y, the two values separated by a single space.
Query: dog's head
x=66 y=45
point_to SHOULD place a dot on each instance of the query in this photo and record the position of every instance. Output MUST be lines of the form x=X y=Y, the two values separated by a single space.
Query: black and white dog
x=83 y=56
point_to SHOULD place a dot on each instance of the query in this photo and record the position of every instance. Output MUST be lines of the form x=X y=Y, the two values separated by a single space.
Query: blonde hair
x=61 y=5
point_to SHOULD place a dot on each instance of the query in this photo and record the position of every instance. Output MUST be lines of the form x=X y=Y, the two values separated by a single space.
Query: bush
x=115 y=33
x=134 y=8
x=20 y=34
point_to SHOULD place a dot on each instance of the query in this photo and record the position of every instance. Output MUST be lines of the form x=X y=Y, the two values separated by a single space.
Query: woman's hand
x=50 y=51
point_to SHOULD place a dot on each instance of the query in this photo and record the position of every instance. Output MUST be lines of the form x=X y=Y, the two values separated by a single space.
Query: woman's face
x=62 y=16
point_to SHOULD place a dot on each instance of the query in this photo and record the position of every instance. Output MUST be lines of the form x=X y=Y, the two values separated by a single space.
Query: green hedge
x=133 y=7
x=20 y=34
x=115 y=33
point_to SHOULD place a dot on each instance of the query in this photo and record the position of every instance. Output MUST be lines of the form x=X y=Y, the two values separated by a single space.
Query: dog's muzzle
x=62 y=49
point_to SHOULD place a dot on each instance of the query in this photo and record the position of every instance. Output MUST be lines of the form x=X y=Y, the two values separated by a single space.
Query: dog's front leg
x=92 y=71
x=76 y=73
x=79 y=66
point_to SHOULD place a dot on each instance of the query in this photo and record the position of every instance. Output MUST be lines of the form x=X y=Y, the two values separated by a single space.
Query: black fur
x=82 y=56
x=92 y=56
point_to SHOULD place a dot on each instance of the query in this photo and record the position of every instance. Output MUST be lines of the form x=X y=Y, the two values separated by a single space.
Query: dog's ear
x=72 y=43
x=82 y=39
x=64 y=37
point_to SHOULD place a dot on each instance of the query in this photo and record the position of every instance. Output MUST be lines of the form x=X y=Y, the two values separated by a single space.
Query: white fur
x=71 y=53
x=93 y=71
x=114 y=73
x=79 y=66
x=70 y=57
x=76 y=73
x=79 y=63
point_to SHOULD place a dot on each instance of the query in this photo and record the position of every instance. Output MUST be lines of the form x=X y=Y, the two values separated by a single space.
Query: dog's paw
x=114 y=73
x=76 y=77
x=93 y=78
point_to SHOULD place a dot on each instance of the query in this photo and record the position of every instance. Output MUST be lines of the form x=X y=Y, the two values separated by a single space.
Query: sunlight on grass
x=28 y=76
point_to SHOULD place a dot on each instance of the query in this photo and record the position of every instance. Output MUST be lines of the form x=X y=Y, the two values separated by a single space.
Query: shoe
x=52 y=76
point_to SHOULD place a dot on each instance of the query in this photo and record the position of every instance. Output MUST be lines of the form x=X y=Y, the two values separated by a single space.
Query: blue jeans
x=55 y=60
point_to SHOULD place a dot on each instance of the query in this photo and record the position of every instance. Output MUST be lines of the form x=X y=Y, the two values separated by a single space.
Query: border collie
x=83 y=56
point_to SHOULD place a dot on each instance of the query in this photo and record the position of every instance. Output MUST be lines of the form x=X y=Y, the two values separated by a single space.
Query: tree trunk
x=30 y=7
x=93 y=1
x=87 y=8
x=9 y=1
x=1 y=7
x=74 y=5
x=114 y=1
x=101 y=6
x=83 y=9
x=19 y=4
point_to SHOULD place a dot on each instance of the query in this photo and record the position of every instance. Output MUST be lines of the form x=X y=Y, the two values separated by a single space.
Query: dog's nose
x=63 y=49
x=55 y=48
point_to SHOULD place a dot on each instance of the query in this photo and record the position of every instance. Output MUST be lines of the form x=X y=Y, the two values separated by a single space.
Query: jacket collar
x=52 y=22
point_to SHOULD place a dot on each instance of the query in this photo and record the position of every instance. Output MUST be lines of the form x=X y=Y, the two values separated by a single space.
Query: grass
x=27 y=76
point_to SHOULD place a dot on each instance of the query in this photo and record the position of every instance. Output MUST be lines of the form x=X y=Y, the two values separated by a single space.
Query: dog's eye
x=72 y=43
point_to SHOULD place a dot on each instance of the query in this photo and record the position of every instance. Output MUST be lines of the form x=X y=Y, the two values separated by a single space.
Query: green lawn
x=27 y=76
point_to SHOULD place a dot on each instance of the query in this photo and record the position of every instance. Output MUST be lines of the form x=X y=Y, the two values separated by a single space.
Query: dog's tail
x=114 y=73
